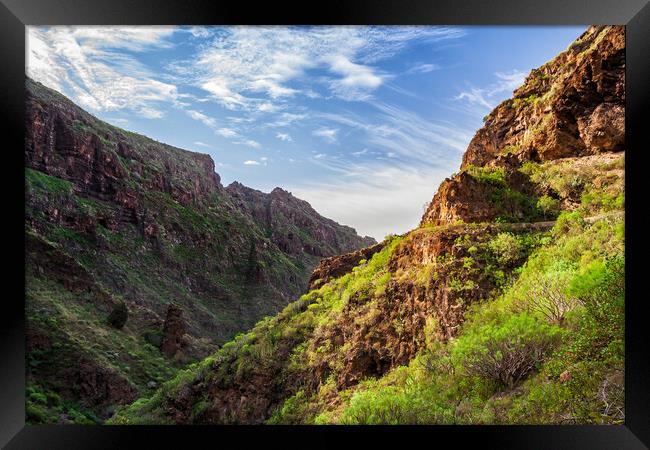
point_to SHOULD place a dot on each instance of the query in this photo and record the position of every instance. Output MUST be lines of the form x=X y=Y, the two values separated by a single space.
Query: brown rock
x=337 y=266
x=572 y=106
x=604 y=130
x=294 y=226
x=173 y=331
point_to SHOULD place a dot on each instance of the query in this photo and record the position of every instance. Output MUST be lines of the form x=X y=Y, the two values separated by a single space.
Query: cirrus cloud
x=241 y=63
x=92 y=65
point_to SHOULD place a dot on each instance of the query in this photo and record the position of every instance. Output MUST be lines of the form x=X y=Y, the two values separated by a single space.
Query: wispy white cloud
x=509 y=81
x=356 y=80
x=475 y=96
x=267 y=107
x=221 y=91
x=402 y=132
x=285 y=119
x=226 y=132
x=422 y=68
x=243 y=62
x=251 y=162
x=486 y=97
x=249 y=143
x=119 y=120
x=202 y=144
x=199 y=32
x=284 y=136
x=329 y=134
x=196 y=115
x=90 y=65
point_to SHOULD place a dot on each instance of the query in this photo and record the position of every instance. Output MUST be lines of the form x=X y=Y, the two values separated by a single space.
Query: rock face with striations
x=571 y=106
x=139 y=221
x=293 y=225
x=335 y=266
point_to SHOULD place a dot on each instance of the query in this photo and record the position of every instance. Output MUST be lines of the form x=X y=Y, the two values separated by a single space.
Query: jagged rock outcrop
x=571 y=106
x=336 y=266
x=64 y=141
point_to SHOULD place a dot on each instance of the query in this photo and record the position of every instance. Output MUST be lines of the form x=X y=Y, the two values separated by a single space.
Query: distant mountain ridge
x=137 y=221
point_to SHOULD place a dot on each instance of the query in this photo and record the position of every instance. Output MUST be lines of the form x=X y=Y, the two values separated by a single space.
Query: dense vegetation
x=543 y=345
x=515 y=363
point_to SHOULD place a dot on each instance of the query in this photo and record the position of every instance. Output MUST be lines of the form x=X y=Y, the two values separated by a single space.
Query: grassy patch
x=41 y=181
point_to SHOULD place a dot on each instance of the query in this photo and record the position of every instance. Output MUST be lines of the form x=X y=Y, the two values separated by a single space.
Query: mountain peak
x=572 y=106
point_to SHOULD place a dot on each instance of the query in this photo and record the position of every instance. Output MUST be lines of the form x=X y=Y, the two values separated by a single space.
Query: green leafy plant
x=548 y=205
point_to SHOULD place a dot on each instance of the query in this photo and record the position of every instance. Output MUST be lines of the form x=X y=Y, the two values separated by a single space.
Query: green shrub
x=414 y=403
x=494 y=176
x=601 y=289
x=508 y=149
x=118 y=316
x=506 y=248
x=568 y=222
x=548 y=205
x=48 y=183
x=153 y=337
x=601 y=200
x=546 y=294
x=507 y=352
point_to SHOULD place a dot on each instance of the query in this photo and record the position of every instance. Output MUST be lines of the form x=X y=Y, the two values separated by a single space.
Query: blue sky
x=362 y=122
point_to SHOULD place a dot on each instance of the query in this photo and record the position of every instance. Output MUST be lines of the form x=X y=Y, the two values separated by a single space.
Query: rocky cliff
x=131 y=221
x=460 y=320
x=571 y=106
x=293 y=225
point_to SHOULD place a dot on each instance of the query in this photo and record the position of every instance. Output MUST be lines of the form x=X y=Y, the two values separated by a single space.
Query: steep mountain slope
x=121 y=226
x=504 y=306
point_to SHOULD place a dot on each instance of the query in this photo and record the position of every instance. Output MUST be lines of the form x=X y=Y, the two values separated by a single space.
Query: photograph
x=293 y=225
x=325 y=224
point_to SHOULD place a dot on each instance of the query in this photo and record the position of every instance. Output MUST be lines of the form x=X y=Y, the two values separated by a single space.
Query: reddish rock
x=572 y=106
x=99 y=386
x=459 y=198
x=65 y=141
x=604 y=129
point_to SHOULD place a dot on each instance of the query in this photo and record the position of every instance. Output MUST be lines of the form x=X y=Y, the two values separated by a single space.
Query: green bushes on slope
x=506 y=352
x=546 y=347
x=274 y=349
x=576 y=379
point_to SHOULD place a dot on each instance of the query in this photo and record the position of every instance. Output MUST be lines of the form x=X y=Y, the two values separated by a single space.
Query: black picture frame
x=16 y=14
